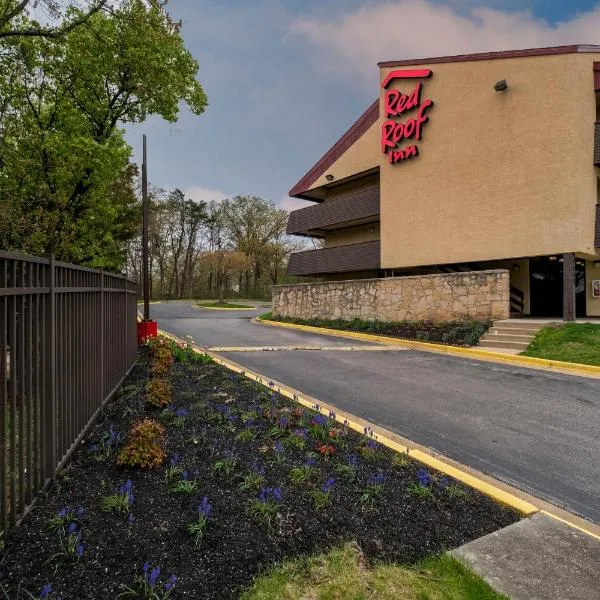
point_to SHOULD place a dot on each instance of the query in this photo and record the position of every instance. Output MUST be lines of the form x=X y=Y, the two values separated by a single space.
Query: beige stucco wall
x=482 y=295
x=499 y=174
x=352 y=235
x=361 y=156
x=593 y=304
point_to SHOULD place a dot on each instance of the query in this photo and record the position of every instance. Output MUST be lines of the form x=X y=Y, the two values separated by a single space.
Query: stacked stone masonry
x=475 y=295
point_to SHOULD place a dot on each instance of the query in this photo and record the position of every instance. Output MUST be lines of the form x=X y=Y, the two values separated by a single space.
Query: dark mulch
x=401 y=527
x=455 y=333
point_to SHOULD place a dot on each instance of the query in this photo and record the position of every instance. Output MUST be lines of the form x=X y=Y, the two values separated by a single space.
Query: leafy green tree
x=65 y=173
x=254 y=223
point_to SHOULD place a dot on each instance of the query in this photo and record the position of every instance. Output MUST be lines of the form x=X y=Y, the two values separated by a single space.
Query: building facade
x=468 y=163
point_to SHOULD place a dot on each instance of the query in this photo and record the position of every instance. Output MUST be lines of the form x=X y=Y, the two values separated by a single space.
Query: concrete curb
x=223 y=308
x=473 y=353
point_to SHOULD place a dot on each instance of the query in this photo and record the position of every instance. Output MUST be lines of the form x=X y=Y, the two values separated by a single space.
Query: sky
x=286 y=78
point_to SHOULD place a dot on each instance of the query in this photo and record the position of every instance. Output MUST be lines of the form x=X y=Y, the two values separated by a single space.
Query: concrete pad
x=539 y=558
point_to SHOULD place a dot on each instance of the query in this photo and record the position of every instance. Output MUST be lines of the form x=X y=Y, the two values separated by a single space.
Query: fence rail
x=67 y=339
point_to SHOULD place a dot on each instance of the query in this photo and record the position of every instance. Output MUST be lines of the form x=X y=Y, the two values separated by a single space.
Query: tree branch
x=48 y=32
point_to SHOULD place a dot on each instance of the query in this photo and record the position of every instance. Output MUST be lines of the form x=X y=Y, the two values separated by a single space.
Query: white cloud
x=199 y=193
x=392 y=30
x=293 y=203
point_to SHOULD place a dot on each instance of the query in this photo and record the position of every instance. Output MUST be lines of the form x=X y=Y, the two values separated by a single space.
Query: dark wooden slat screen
x=361 y=204
x=340 y=259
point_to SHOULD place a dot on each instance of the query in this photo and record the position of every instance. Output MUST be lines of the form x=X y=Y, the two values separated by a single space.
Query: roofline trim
x=547 y=51
x=358 y=128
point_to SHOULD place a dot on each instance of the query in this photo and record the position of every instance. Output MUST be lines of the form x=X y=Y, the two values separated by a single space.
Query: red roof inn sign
x=396 y=128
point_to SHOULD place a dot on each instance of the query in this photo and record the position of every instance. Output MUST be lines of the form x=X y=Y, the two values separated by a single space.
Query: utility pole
x=145 y=218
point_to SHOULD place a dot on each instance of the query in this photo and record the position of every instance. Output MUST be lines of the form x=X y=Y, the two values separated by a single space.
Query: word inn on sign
x=396 y=105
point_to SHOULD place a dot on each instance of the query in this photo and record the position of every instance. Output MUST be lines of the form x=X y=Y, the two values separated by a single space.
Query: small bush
x=144 y=447
x=162 y=360
x=158 y=392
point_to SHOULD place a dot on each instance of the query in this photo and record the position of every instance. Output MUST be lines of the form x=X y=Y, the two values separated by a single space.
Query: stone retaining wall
x=475 y=295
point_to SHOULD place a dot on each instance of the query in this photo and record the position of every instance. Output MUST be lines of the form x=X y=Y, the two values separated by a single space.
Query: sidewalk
x=538 y=558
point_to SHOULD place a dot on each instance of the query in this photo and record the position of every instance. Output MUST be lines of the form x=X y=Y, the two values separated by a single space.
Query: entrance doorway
x=546 y=286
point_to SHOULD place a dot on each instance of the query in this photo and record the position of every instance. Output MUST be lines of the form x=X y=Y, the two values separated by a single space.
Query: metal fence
x=67 y=340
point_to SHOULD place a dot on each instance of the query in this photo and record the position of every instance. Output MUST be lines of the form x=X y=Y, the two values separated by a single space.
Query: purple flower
x=71 y=528
x=62 y=513
x=174 y=459
x=146 y=567
x=372 y=444
x=184 y=476
x=79 y=550
x=300 y=432
x=46 y=590
x=443 y=483
x=278 y=447
x=283 y=422
x=181 y=413
x=153 y=577
x=205 y=508
x=377 y=479
x=310 y=462
x=328 y=485
x=319 y=420
x=270 y=495
x=81 y=511
x=258 y=469
x=352 y=460
x=131 y=519
x=126 y=488
x=424 y=477
x=171 y=583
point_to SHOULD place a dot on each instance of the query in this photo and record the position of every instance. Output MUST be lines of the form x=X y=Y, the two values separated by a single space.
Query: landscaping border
x=473 y=353
x=506 y=494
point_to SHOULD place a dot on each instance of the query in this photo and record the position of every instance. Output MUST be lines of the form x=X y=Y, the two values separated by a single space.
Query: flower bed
x=246 y=479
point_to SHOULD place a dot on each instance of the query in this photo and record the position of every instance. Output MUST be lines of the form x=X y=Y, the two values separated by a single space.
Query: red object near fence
x=145 y=330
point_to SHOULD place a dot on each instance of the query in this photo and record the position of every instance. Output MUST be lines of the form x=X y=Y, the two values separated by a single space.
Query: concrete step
x=507 y=337
x=519 y=324
x=502 y=344
x=530 y=331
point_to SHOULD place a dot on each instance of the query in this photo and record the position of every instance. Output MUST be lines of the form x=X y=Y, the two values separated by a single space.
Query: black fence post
x=49 y=414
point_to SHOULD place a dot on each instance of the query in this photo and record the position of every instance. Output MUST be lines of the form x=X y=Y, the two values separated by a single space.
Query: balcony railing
x=597 y=144
x=365 y=256
x=597 y=243
x=358 y=207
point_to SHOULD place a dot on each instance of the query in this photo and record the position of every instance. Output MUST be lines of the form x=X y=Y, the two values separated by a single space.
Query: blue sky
x=285 y=78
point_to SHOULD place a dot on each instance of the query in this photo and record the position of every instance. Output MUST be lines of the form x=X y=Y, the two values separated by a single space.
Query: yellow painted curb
x=484 y=355
x=578 y=527
x=223 y=308
x=467 y=475
x=353 y=423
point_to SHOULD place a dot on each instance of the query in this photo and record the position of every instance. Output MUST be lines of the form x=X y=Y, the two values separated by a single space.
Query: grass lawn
x=343 y=574
x=224 y=304
x=571 y=342
x=457 y=333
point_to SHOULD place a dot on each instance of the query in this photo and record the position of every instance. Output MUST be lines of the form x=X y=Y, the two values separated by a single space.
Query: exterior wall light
x=501 y=86
x=329 y=177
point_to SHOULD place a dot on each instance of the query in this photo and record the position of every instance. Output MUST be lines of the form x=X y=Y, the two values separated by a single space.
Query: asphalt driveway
x=537 y=430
